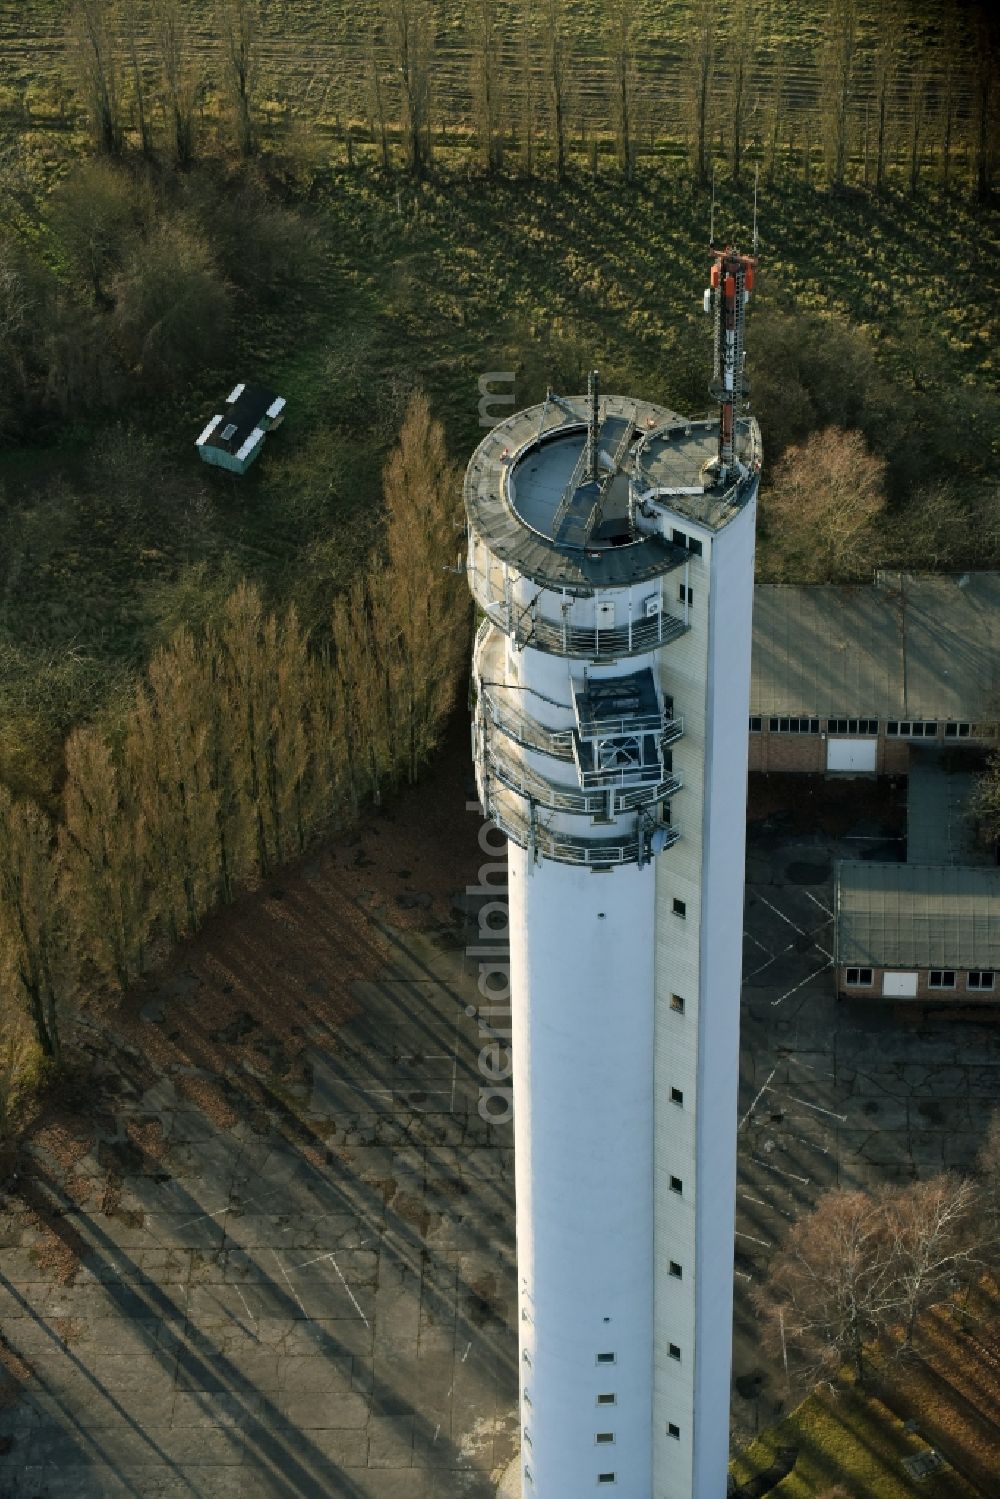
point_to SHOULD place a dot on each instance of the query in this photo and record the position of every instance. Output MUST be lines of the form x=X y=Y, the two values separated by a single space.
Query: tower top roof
x=538 y=499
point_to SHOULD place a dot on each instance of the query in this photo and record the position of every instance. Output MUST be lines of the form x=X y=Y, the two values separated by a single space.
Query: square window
x=678 y=538
x=941 y=978
x=694 y=546
x=673 y=1431
x=892 y=727
x=680 y=907
x=674 y=1351
x=607 y=1358
x=859 y=978
x=676 y=1270
x=773 y=725
x=607 y=1399
x=604 y=1436
x=676 y=1096
x=756 y=724
x=677 y=1003
x=676 y=1185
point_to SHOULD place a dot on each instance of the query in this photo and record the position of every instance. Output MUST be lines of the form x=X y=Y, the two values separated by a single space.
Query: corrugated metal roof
x=917 y=915
x=905 y=647
x=938 y=827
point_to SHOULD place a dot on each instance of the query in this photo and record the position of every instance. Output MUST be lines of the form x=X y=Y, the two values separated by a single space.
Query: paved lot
x=833 y=1093
x=310 y=1302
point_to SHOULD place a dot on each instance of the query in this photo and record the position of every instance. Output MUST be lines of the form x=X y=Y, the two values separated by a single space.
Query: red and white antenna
x=732 y=281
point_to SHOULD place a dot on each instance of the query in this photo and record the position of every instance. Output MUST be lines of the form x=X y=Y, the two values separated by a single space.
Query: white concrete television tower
x=611 y=549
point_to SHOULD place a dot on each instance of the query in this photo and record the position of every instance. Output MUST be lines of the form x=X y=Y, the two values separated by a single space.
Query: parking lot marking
x=751 y=938
x=818 y=903
x=800 y=984
x=805 y=1180
x=789 y=920
x=757 y=1100
x=350 y=1293
x=764 y=1243
x=807 y=1105
x=291 y=1288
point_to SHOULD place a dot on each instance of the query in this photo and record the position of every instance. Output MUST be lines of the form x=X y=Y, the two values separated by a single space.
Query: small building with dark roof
x=234 y=438
x=927 y=931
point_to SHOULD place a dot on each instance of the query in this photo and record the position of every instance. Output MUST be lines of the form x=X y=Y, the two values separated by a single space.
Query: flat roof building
x=848 y=677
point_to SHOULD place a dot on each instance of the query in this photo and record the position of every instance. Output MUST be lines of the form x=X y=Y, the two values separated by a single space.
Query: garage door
x=899 y=985
x=851 y=754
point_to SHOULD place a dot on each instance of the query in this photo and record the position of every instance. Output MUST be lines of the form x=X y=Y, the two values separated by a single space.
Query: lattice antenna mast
x=593 y=402
x=726 y=297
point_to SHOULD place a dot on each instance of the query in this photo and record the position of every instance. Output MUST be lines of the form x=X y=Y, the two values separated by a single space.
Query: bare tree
x=984 y=804
x=35 y=964
x=830 y=1289
x=238 y=24
x=103 y=853
x=425 y=602
x=92 y=51
x=919 y=106
x=556 y=76
x=888 y=51
x=775 y=116
x=741 y=101
x=621 y=26
x=527 y=88
x=181 y=85
x=984 y=101
x=698 y=72
x=837 y=86
x=376 y=91
x=988 y=1167
x=820 y=509
x=483 y=23
x=953 y=46
x=410 y=31
x=132 y=30
x=931 y=1228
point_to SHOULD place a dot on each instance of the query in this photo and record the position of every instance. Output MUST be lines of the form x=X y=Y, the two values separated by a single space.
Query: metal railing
x=556 y=796
x=560 y=638
x=567 y=848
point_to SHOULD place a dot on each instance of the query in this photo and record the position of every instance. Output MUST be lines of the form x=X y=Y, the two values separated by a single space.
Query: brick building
x=849 y=678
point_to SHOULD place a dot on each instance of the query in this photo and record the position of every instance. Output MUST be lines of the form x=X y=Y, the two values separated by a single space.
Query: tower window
x=607 y=1358
x=676 y=1270
x=606 y=1478
x=676 y=1096
x=607 y=1399
x=685 y=594
x=680 y=907
x=676 y=1185
x=604 y=1436
x=677 y=1003
x=675 y=1352
x=756 y=724
x=673 y=1431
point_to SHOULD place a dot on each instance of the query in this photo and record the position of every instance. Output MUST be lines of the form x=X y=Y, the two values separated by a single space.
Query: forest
x=368 y=208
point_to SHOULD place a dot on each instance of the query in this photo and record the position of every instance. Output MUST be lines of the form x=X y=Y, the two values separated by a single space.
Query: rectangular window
x=859 y=978
x=980 y=978
x=676 y=1270
x=957 y=730
x=606 y=1478
x=793 y=725
x=686 y=595
x=680 y=907
x=756 y=724
x=676 y=1185
x=694 y=546
x=941 y=978
x=607 y=1358
x=607 y=1399
x=852 y=726
x=676 y=1096
x=674 y=1351
x=678 y=538
x=604 y=1436
x=908 y=728
x=672 y=1430
x=677 y=1003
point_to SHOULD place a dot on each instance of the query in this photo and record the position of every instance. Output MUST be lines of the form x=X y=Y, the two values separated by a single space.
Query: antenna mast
x=726 y=297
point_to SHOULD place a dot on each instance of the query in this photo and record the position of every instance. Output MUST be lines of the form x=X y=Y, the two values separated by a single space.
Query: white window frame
x=942 y=973
x=859 y=982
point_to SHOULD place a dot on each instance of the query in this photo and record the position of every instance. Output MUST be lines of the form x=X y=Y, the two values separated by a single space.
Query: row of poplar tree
x=867 y=87
x=243 y=745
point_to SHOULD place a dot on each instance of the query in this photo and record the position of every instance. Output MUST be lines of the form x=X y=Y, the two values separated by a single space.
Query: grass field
x=949 y=1391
